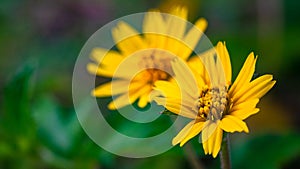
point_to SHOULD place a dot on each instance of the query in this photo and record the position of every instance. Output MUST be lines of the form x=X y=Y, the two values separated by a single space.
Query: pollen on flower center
x=157 y=67
x=212 y=103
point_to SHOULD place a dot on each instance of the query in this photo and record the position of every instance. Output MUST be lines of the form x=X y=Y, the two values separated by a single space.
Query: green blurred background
x=39 y=44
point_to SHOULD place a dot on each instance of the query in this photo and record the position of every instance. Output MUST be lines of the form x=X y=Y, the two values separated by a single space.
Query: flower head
x=147 y=55
x=204 y=94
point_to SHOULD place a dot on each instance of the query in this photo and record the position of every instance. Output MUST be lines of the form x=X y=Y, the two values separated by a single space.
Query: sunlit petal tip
x=153 y=10
x=215 y=153
x=111 y=106
x=143 y=101
x=97 y=54
x=203 y=22
x=220 y=44
x=246 y=130
x=232 y=124
x=181 y=144
x=91 y=68
x=93 y=93
x=174 y=143
x=180 y=11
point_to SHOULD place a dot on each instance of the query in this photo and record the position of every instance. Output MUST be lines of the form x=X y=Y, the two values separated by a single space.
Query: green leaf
x=18 y=124
x=52 y=128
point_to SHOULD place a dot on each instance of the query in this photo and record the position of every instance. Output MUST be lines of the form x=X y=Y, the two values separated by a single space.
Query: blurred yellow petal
x=128 y=97
x=127 y=39
x=179 y=11
x=115 y=87
x=143 y=101
x=105 y=57
x=105 y=90
x=176 y=26
x=94 y=69
x=154 y=29
x=168 y=89
x=160 y=32
x=154 y=23
x=192 y=38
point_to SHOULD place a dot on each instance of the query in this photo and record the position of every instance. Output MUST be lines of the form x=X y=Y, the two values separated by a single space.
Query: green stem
x=192 y=157
x=225 y=153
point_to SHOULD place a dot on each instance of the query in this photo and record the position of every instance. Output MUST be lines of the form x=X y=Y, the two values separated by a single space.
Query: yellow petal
x=262 y=92
x=225 y=59
x=249 y=104
x=106 y=57
x=257 y=83
x=207 y=132
x=106 y=90
x=179 y=11
x=154 y=29
x=245 y=74
x=199 y=70
x=183 y=133
x=195 y=130
x=129 y=68
x=220 y=72
x=128 y=98
x=143 y=101
x=176 y=107
x=176 y=25
x=245 y=109
x=119 y=102
x=192 y=38
x=127 y=39
x=244 y=113
x=232 y=124
x=117 y=71
x=94 y=69
x=185 y=78
x=168 y=89
x=218 y=135
x=212 y=138
x=213 y=67
x=154 y=23
x=256 y=89
x=116 y=87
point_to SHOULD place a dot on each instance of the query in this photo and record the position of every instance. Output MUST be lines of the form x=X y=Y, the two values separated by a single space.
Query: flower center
x=212 y=103
x=157 y=66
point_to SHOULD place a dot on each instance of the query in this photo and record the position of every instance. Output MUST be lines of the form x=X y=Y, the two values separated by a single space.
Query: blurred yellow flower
x=160 y=33
x=204 y=94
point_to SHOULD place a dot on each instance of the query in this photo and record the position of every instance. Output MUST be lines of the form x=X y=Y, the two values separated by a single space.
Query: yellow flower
x=147 y=55
x=204 y=94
